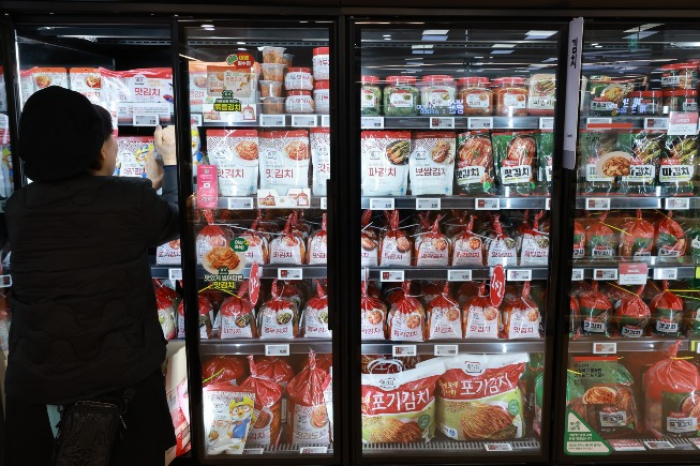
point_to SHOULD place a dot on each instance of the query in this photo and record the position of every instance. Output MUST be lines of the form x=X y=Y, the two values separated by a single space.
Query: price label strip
x=290 y=274
x=633 y=273
x=597 y=203
x=546 y=123
x=372 y=122
x=313 y=450
x=605 y=348
x=253 y=451
x=442 y=123
x=576 y=275
x=604 y=274
x=598 y=122
x=480 y=123
x=498 y=447
x=304 y=121
x=428 y=203
x=277 y=350
x=326 y=121
x=459 y=275
x=677 y=203
x=272 y=120
x=658 y=445
x=665 y=274
x=519 y=275
x=146 y=120
x=656 y=124
x=240 y=203
x=398 y=351
x=324 y=203
x=446 y=350
x=382 y=203
x=392 y=276
x=487 y=203
x=174 y=274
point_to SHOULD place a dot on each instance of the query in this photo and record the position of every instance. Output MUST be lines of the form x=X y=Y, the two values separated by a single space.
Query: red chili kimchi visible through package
x=670 y=238
x=443 y=315
x=521 y=317
x=480 y=318
x=268 y=405
x=407 y=318
x=307 y=413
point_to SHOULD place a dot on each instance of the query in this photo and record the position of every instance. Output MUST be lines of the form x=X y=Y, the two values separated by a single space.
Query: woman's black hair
x=106 y=130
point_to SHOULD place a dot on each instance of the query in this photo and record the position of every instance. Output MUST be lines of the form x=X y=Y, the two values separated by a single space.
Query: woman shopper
x=85 y=323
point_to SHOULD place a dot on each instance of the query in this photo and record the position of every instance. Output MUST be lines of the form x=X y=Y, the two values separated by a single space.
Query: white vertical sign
x=573 y=84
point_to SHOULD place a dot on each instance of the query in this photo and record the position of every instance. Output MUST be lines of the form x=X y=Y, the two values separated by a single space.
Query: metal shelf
x=586 y=344
x=632 y=203
x=460 y=122
x=272 y=271
x=463 y=347
x=447 y=446
x=251 y=203
x=257 y=346
x=273 y=122
x=683 y=267
x=462 y=202
x=442 y=273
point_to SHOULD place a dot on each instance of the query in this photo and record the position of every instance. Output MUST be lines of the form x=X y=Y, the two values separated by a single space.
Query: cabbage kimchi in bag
x=406 y=321
x=443 y=316
x=434 y=247
x=597 y=157
x=545 y=155
x=521 y=229
x=278 y=318
x=430 y=290
x=601 y=241
x=678 y=169
x=480 y=318
x=287 y=248
x=268 y=405
x=307 y=413
x=595 y=312
x=238 y=316
x=479 y=398
x=372 y=315
x=432 y=163
x=666 y=313
x=212 y=239
x=632 y=315
x=235 y=154
x=400 y=408
x=166 y=300
x=223 y=370
x=646 y=149
x=206 y=317
x=521 y=317
x=501 y=249
x=670 y=237
x=258 y=247
x=318 y=245
x=274 y=368
x=475 y=174
x=637 y=237
x=515 y=154
x=579 y=241
x=385 y=156
x=395 y=246
x=284 y=160
x=369 y=250
x=534 y=248
x=468 y=248
x=314 y=319
x=672 y=400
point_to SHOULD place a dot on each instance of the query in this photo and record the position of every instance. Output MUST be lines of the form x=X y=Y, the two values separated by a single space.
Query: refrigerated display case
x=630 y=364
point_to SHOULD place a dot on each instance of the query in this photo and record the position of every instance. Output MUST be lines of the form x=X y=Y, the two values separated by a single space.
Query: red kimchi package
x=206 y=318
x=601 y=241
x=515 y=156
x=166 y=315
x=478 y=397
x=274 y=368
x=213 y=243
x=223 y=369
x=228 y=416
x=574 y=319
x=258 y=247
x=637 y=237
x=467 y=291
x=400 y=408
x=287 y=248
x=595 y=312
x=432 y=163
x=406 y=321
x=521 y=317
x=372 y=316
x=430 y=291
x=670 y=238
x=238 y=316
x=480 y=318
x=502 y=248
x=284 y=160
x=434 y=248
x=579 y=241
x=632 y=314
x=268 y=406
x=385 y=156
x=318 y=245
x=534 y=249
x=278 y=317
x=395 y=246
x=666 y=313
x=307 y=412
x=475 y=174
x=235 y=154
x=444 y=317
x=314 y=318
x=369 y=251
x=672 y=400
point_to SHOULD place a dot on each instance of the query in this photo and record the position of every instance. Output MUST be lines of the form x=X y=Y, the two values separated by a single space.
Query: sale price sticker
x=277 y=350
x=658 y=445
x=174 y=274
x=240 y=203
x=382 y=203
x=682 y=123
x=604 y=274
x=392 y=276
x=487 y=203
x=605 y=348
x=576 y=275
x=442 y=123
x=658 y=124
x=677 y=203
x=446 y=350
x=428 y=203
x=290 y=274
x=398 y=351
x=372 y=123
x=498 y=447
x=597 y=203
x=459 y=275
x=519 y=275
x=272 y=120
x=665 y=274
x=480 y=123
x=633 y=273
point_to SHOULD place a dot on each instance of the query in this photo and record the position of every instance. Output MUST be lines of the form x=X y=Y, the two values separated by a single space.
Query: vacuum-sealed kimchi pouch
x=646 y=149
x=385 y=156
x=278 y=317
x=545 y=155
x=406 y=321
x=400 y=407
x=670 y=237
x=691 y=310
x=596 y=311
x=520 y=316
x=672 y=403
x=284 y=160
x=223 y=369
x=574 y=319
x=268 y=406
x=666 y=313
x=534 y=248
x=258 y=246
x=287 y=248
x=475 y=173
x=598 y=157
x=637 y=237
x=395 y=246
x=314 y=318
x=307 y=413
x=444 y=317
x=212 y=237
x=677 y=170
x=479 y=397
x=432 y=163
x=229 y=414
x=574 y=393
x=434 y=247
x=369 y=250
x=601 y=240
x=318 y=245
x=206 y=318
x=238 y=316
x=468 y=248
x=515 y=154
x=274 y=368
x=480 y=318
x=372 y=316
x=235 y=154
x=579 y=241
x=632 y=314
x=501 y=248
x=166 y=316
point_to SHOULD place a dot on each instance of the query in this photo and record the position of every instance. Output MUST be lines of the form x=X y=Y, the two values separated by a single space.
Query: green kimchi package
x=475 y=174
x=432 y=163
x=539 y=403
x=667 y=313
x=677 y=170
x=601 y=240
x=545 y=152
x=599 y=161
x=637 y=237
x=691 y=310
x=479 y=397
x=632 y=314
x=574 y=393
x=672 y=400
x=400 y=408
x=595 y=312
x=670 y=237
x=515 y=154
x=646 y=150
x=579 y=241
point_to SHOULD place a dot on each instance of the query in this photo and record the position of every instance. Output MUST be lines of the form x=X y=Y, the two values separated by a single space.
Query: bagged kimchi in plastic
x=468 y=247
x=432 y=163
x=515 y=155
x=274 y=368
x=235 y=154
x=400 y=408
x=480 y=318
x=502 y=249
x=443 y=316
x=307 y=414
x=166 y=300
x=479 y=398
x=387 y=364
x=475 y=174
x=372 y=316
x=521 y=317
x=595 y=312
x=670 y=238
x=574 y=393
x=258 y=248
x=637 y=237
x=320 y=159
x=206 y=318
x=223 y=369
x=406 y=321
x=278 y=318
x=284 y=160
x=212 y=238
x=228 y=416
x=385 y=156
x=574 y=319
x=601 y=241
x=672 y=403
x=678 y=171
x=287 y=248
x=579 y=241
x=666 y=313
x=534 y=248
x=430 y=291
x=395 y=246
x=314 y=319
x=467 y=291
x=318 y=245
x=632 y=315
x=238 y=316
x=268 y=407
x=434 y=248
x=369 y=251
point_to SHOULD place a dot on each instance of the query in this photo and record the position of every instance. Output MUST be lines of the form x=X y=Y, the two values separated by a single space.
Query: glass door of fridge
x=632 y=382
x=455 y=147
x=260 y=95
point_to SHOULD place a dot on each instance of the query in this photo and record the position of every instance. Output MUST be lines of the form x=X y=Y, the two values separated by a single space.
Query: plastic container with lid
x=270 y=88
x=680 y=101
x=273 y=72
x=679 y=76
x=645 y=102
x=299 y=102
x=438 y=93
x=273 y=54
x=510 y=96
x=288 y=59
x=370 y=95
x=400 y=96
x=476 y=96
x=322 y=97
x=299 y=79
x=272 y=105
x=321 y=63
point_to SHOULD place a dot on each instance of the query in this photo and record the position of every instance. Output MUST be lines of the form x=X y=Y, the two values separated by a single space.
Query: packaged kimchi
x=545 y=155
x=395 y=246
x=238 y=316
x=372 y=316
x=579 y=241
x=666 y=313
x=480 y=318
x=400 y=407
x=284 y=160
x=632 y=314
x=539 y=404
x=292 y=290
x=595 y=312
x=213 y=241
x=314 y=318
x=385 y=156
x=467 y=291
x=574 y=393
x=432 y=163
x=677 y=171
x=521 y=317
x=670 y=238
x=501 y=249
x=574 y=319
x=278 y=318
x=206 y=318
x=646 y=150
x=672 y=406
x=479 y=397
x=228 y=416
x=307 y=413
x=274 y=368
x=434 y=247
x=475 y=174
x=637 y=237
x=166 y=316
x=406 y=321
x=320 y=159
x=521 y=229
x=534 y=248
x=235 y=154
x=601 y=241
x=600 y=161
x=444 y=317
x=223 y=369
x=268 y=406
x=369 y=251
x=468 y=247
x=692 y=240
x=387 y=364
x=691 y=310
x=318 y=245
x=287 y=248
x=258 y=247
x=515 y=154
x=430 y=290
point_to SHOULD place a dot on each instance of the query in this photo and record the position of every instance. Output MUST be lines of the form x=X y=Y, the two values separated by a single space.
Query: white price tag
x=4 y=121
x=240 y=203
x=174 y=274
x=682 y=123
x=576 y=275
x=146 y=120
x=372 y=122
x=665 y=274
x=326 y=121
x=487 y=203
x=271 y=120
x=428 y=203
x=277 y=350
x=399 y=351
x=547 y=123
x=290 y=274
x=593 y=122
x=597 y=203
x=656 y=124
x=446 y=350
x=604 y=274
x=459 y=275
x=480 y=123
x=313 y=450
x=548 y=204
x=658 y=445
x=605 y=348
x=197 y=119
x=498 y=447
x=382 y=203
x=442 y=123
x=519 y=275
x=324 y=203
x=5 y=281
x=697 y=347
x=392 y=276
x=304 y=121
x=626 y=445
x=677 y=203
x=253 y=451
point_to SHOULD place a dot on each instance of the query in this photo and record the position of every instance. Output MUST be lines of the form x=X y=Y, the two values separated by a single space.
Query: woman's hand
x=164 y=141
